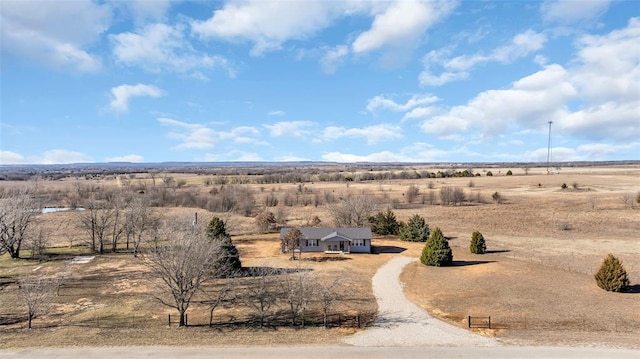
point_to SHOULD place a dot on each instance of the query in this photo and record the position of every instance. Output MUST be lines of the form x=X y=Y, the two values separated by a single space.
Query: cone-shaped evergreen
x=229 y=260
x=436 y=250
x=216 y=228
x=478 y=246
x=416 y=230
x=612 y=277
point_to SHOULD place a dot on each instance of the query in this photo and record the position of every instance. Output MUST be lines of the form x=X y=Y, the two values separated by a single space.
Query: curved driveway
x=402 y=323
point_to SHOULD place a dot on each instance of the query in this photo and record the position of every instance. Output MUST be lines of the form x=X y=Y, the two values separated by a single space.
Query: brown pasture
x=536 y=284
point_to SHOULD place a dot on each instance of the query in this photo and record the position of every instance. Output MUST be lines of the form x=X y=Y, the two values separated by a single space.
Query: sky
x=337 y=81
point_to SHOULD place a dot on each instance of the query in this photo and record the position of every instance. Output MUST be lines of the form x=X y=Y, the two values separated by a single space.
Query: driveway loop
x=402 y=323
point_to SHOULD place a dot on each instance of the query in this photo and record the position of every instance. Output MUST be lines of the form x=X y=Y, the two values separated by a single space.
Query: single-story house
x=333 y=240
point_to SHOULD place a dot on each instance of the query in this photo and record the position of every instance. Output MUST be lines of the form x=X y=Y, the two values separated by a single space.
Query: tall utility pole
x=549 y=148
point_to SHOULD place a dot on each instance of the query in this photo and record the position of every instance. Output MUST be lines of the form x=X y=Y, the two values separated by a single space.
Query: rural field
x=544 y=240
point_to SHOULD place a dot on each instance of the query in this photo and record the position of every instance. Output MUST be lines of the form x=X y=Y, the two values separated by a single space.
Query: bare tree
x=96 y=220
x=37 y=293
x=627 y=199
x=140 y=222
x=18 y=210
x=412 y=193
x=219 y=294
x=327 y=295
x=291 y=241
x=261 y=294
x=353 y=211
x=184 y=260
x=38 y=243
x=297 y=289
x=452 y=195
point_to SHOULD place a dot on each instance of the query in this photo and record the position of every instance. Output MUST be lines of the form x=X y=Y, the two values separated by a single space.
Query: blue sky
x=345 y=81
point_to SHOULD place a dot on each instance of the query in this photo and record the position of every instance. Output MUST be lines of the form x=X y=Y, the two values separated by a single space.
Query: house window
x=358 y=243
x=312 y=242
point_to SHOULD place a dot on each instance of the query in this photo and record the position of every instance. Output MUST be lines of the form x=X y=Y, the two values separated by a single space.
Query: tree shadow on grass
x=8 y=319
x=468 y=263
x=498 y=251
x=387 y=249
x=262 y=271
x=326 y=259
x=633 y=289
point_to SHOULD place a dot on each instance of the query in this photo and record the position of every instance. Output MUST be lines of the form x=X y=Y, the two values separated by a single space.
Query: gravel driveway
x=402 y=323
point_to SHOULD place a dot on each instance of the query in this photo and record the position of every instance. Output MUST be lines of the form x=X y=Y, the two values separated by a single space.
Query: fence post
x=186 y=320
x=358 y=320
x=169 y=319
x=469 y=321
x=489 y=322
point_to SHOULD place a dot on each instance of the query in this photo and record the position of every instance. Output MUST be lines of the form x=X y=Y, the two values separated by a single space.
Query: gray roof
x=325 y=233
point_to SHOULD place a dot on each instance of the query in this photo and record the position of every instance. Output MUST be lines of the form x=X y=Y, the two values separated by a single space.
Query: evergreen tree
x=612 y=276
x=216 y=228
x=229 y=261
x=416 y=230
x=384 y=223
x=436 y=250
x=478 y=246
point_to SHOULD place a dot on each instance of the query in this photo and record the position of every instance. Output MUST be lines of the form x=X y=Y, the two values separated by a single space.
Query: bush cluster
x=612 y=276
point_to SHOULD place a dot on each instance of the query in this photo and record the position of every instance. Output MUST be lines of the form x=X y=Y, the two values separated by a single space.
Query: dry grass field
x=536 y=284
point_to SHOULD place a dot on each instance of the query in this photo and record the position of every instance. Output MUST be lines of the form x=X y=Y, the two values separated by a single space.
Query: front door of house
x=341 y=246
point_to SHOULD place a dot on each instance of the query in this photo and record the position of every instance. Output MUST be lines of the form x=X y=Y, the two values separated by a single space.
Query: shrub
x=489 y=173
x=265 y=221
x=509 y=173
x=564 y=186
x=416 y=230
x=384 y=223
x=612 y=276
x=478 y=245
x=497 y=197
x=436 y=250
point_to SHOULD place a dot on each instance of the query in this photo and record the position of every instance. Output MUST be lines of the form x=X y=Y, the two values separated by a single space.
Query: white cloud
x=607 y=75
x=609 y=65
x=54 y=33
x=160 y=47
x=559 y=154
x=11 y=158
x=199 y=136
x=125 y=158
x=276 y=113
x=373 y=134
x=268 y=24
x=420 y=112
x=289 y=128
x=384 y=102
x=61 y=157
x=457 y=68
x=572 y=11
x=530 y=102
x=191 y=135
x=242 y=156
x=401 y=24
x=123 y=93
x=145 y=10
x=384 y=156
x=426 y=78
x=333 y=58
x=292 y=158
